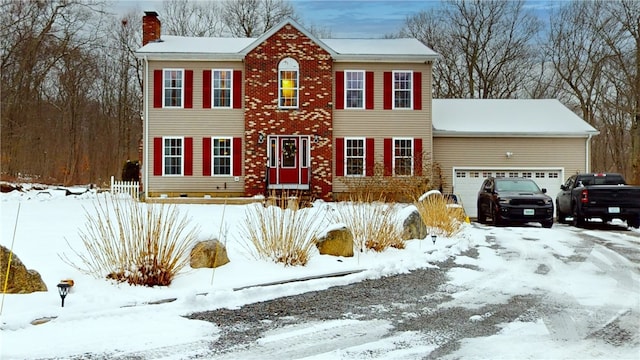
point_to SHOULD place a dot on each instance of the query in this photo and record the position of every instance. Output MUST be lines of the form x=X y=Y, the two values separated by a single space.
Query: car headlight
x=504 y=201
x=548 y=201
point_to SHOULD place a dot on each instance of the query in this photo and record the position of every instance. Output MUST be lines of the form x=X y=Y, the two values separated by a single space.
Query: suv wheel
x=634 y=223
x=482 y=217
x=547 y=224
x=494 y=216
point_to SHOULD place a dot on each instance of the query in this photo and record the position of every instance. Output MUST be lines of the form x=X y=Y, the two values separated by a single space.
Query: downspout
x=145 y=164
x=587 y=147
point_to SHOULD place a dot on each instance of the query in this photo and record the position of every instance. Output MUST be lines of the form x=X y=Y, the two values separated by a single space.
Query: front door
x=288 y=161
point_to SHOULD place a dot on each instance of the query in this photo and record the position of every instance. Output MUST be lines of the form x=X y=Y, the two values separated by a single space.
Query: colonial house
x=230 y=117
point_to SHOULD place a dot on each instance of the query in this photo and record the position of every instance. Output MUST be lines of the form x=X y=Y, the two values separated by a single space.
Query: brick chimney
x=150 y=27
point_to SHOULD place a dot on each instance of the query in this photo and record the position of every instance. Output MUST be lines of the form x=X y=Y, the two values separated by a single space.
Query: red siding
x=388 y=90
x=157 y=89
x=369 y=90
x=340 y=157
x=417 y=156
x=157 y=156
x=370 y=165
x=237 y=89
x=417 y=91
x=206 y=156
x=206 y=90
x=188 y=156
x=188 y=89
x=339 y=90
x=237 y=156
x=388 y=157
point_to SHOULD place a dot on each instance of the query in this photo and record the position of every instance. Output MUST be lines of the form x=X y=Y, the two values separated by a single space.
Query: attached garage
x=477 y=138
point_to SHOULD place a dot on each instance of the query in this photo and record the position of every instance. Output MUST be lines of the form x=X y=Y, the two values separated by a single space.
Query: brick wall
x=312 y=117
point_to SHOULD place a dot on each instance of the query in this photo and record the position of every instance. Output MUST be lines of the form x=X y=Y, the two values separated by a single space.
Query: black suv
x=515 y=200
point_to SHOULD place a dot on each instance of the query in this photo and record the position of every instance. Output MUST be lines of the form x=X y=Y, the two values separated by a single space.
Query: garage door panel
x=467 y=182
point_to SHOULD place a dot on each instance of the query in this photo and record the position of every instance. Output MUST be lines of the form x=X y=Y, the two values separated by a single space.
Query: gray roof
x=221 y=48
x=500 y=117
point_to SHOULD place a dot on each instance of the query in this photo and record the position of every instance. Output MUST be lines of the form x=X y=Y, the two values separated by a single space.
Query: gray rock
x=208 y=254
x=21 y=280
x=414 y=227
x=337 y=242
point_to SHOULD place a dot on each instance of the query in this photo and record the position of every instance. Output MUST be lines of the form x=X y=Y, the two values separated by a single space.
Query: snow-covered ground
x=104 y=317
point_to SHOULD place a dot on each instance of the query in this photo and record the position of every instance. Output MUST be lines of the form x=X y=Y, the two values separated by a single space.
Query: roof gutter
x=444 y=133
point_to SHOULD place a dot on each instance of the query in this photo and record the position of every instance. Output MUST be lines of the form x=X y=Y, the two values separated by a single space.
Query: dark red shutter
x=370 y=157
x=157 y=156
x=388 y=157
x=188 y=89
x=188 y=156
x=369 y=90
x=339 y=90
x=237 y=89
x=417 y=91
x=237 y=156
x=157 y=89
x=388 y=90
x=417 y=157
x=206 y=89
x=206 y=156
x=339 y=156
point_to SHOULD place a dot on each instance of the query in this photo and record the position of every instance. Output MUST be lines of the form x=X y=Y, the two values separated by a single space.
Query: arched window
x=288 y=83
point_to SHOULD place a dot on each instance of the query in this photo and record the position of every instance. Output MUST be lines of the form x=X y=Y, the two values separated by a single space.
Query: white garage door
x=466 y=183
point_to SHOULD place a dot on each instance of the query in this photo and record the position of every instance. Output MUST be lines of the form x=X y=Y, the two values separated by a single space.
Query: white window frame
x=347 y=157
x=289 y=65
x=347 y=88
x=411 y=157
x=165 y=88
x=409 y=90
x=214 y=156
x=165 y=155
x=214 y=88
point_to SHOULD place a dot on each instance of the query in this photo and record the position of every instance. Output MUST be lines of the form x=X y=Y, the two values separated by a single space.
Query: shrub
x=373 y=223
x=282 y=235
x=131 y=242
x=440 y=215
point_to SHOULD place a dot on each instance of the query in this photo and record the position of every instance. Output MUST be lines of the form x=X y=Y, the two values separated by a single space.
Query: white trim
x=182 y=81
x=364 y=89
x=289 y=64
x=393 y=155
x=230 y=89
x=364 y=156
x=145 y=140
x=393 y=90
x=181 y=156
x=231 y=149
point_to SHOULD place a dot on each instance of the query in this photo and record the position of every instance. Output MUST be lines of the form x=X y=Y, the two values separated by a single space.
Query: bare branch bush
x=135 y=243
x=282 y=235
x=373 y=223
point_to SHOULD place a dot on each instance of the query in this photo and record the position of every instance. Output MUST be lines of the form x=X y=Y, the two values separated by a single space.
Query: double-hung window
x=354 y=156
x=403 y=156
x=222 y=88
x=288 y=83
x=173 y=88
x=354 y=86
x=402 y=86
x=222 y=150
x=173 y=156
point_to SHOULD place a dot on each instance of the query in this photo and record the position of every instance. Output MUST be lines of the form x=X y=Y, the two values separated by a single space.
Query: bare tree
x=189 y=18
x=252 y=18
x=485 y=46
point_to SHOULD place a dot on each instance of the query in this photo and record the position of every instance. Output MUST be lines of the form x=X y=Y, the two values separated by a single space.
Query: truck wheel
x=578 y=221
x=482 y=218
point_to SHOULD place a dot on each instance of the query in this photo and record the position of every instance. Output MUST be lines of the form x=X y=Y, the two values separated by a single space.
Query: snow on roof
x=196 y=45
x=531 y=117
x=379 y=47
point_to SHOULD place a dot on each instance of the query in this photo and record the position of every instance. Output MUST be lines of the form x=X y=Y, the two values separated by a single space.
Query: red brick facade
x=313 y=116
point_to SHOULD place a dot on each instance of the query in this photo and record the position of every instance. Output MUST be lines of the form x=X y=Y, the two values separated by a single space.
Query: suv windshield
x=516 y=185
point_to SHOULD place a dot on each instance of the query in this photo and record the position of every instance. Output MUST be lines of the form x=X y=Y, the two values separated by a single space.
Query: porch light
x=316 y=138
x=260 y=138
x=509 y=154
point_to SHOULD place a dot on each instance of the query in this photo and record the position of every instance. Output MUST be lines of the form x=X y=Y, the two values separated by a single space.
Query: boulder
x=413 y=227
x=20 y=280
x=336 y=242
x=208 y=254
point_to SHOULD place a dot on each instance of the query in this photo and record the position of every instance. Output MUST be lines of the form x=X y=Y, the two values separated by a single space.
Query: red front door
x=288 y=162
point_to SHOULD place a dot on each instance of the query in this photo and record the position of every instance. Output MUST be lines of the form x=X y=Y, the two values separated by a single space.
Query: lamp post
x=63 y=290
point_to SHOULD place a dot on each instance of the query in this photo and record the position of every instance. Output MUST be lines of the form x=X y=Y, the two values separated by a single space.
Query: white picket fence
x=125 y=187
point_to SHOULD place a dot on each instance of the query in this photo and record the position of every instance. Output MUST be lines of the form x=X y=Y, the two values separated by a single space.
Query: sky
x=108 y=319
x=347 y=19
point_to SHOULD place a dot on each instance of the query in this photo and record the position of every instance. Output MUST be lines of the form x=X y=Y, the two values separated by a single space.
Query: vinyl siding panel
x=197 y=123
x=565 y=153
x=379 y=123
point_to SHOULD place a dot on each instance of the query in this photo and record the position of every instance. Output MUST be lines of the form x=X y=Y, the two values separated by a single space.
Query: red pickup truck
x=604 y=196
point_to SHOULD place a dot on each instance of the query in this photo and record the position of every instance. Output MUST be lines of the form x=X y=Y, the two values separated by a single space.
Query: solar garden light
x=63 y=290
x=433 y=238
